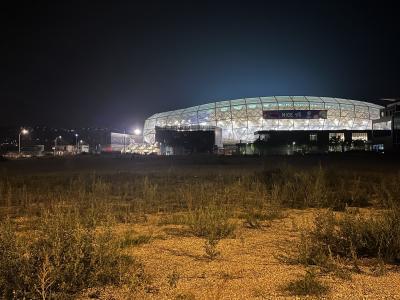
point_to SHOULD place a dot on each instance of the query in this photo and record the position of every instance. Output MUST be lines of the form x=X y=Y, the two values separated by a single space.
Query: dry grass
x=169 y=235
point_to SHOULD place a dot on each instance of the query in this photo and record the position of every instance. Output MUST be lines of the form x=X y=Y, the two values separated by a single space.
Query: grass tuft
x=308 y=285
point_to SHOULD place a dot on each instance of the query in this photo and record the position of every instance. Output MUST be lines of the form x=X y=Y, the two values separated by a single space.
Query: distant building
x=62 y=150
x=34 y=150
x=386 y=129
x=83 y=148
x=118 y=142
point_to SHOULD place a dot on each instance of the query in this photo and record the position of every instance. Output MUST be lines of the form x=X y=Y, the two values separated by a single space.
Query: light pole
x=23 y=131
x=55 y=144
x=137 y=132
x=80 y=145
x=76 y=142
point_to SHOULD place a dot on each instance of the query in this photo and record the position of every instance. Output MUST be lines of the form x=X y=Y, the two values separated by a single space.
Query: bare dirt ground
x=249 y=266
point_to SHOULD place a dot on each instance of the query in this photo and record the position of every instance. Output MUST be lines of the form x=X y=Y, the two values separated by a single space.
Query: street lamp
x=23 y=131
x=76 y=142
x=80 y=145
x=137 y=131
x=55 y=144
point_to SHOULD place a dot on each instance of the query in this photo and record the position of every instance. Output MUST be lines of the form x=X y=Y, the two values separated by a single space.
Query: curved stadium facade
x=239 y=119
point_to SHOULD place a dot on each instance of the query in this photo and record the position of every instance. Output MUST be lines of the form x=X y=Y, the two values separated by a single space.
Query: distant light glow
x=24 y=131
x=137 y=131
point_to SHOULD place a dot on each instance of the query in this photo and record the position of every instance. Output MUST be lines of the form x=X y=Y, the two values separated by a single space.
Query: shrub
x=307 y=285
x=61 y=258
x=136 y=240
x=173 y=279
x=317 y=188
x=351 y=236
x=210 y=247
x=253 y=217
x=212 y=221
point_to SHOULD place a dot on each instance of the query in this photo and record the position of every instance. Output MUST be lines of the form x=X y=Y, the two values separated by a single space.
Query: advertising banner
x=294 y=114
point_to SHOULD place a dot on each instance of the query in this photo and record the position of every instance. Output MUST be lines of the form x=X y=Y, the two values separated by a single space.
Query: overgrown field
x=273 y=232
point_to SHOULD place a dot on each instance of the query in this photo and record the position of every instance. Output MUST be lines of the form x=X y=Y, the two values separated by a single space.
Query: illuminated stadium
x=240 y=119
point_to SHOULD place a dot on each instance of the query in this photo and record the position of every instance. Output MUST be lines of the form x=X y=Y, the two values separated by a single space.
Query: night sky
x=112 y=64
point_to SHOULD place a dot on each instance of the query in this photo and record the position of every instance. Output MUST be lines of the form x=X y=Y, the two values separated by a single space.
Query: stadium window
x=359 y=136
x=339 y=135
x=313 y=137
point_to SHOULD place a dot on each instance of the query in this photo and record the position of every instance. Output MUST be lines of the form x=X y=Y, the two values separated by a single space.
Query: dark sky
x=93 y=63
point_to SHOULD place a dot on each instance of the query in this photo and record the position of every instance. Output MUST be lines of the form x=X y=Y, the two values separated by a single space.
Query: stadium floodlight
x=23 y=131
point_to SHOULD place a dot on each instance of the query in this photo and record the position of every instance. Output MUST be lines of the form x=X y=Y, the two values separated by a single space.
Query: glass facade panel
x=223 y=103
x=239 y=123
x=239 y=111
x=241 y=134
x=253 y=100
x=270 y=124
x=223 y=113
x=299 y=99
x=346 y=111
x=373 y=113
x=361 y=112
x=316 y=124
x=189 y=118
x=207 y=106
x=254 y=110
x=286 y=124
x=238 y=102
x=386 y=125
x=317 y=105
x=344 y=101
x=270 y=106
x=285 y=105
x=283 y=98
x=255 y=122
x=328 y=100
x=268 y=99
x=161 y=122
x=301 y=105
x=191 y=109
x=205 y=115
x=333 y=110
x=314 y=99
x=300 y=124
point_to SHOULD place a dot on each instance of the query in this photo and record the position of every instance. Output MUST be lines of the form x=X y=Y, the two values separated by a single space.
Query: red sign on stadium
x=295 y=114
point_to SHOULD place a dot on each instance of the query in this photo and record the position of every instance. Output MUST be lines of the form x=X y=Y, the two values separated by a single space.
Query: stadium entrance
x=178 y=140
